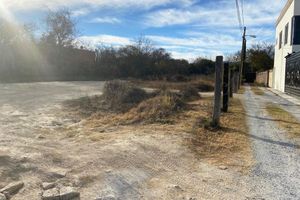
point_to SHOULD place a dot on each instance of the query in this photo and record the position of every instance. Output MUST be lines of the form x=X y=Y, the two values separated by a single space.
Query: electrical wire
x=239 y=15
x=243 y=17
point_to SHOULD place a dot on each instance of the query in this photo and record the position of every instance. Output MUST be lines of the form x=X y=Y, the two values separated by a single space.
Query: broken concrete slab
x=58 y=173
x=47 y=186
x=51 y=194
x=68 y=193
x=12 y=188
x=2 y=197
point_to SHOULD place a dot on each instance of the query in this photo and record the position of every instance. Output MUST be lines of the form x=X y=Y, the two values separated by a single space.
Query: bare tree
x=61 y=29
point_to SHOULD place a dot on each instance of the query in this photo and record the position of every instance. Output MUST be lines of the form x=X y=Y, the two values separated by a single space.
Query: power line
x=239 y=14
x=243 y=12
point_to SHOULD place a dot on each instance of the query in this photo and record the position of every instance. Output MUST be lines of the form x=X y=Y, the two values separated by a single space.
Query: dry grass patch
x=123 y=104
x=229 y=145
x=190 y=94
x=201 y=83
x=156 y=109
x=284 y=119
x=241 y=90
x=257 y=90
x=118 y=97
x=169 y=112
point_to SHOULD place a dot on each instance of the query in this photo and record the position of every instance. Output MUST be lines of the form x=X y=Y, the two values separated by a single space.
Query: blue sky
x=186 y=28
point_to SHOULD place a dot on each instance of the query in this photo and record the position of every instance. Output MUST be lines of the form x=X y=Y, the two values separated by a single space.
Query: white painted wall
x=279 y=61
x=296 y=48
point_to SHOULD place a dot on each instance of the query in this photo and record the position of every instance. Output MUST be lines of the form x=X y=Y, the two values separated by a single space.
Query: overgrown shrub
x=156 y=109
x=189 y=93
x=85 y=106
x=204 y=87
x=121 y=95
x=178 y=78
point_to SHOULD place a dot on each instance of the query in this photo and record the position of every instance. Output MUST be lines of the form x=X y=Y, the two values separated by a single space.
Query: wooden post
x=226 y=84
x=218 y=91
x=231 y=83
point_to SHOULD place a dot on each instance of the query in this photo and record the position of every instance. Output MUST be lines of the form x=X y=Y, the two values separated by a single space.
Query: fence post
x=218 y=91
x=235 y=82
x=226 y=84
x=231 y=83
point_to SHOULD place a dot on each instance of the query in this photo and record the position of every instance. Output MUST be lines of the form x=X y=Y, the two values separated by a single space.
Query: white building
x=287 y=40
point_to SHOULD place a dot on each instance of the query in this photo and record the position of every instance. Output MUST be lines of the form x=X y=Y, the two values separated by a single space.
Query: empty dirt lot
x=37 y=145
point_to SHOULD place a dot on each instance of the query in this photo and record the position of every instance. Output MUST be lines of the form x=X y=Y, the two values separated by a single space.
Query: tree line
x=56 y=55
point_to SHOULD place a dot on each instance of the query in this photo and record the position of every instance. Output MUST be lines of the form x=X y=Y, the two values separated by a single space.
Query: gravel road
x=277 y=171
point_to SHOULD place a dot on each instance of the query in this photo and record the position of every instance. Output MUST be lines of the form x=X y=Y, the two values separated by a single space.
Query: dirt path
x=277 y=171
x=137 y=162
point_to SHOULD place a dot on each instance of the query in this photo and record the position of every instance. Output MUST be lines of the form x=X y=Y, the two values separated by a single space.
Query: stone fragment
x=51 y=194
x=108 y=197
x=47 y=186
x=68 y=193
x=59 y=173
x=2 y=196
x=40 y=137
x=223 y=167
x=12 y=188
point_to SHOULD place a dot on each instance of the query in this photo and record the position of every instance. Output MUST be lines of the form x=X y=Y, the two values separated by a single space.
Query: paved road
x=277 y=171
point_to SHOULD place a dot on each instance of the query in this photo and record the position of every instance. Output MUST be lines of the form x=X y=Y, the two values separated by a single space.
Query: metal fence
x=292 y=78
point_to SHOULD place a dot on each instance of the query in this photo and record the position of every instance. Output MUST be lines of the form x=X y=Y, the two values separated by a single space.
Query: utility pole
x=243 y=57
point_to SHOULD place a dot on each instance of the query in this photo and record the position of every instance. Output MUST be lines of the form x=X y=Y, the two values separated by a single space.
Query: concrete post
x=226 y=84
x=218 y=91
x=231 y=83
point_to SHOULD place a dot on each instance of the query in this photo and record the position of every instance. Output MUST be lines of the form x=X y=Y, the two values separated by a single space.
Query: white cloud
x=116 y=4
x=217 y=14
x=108 y=20
x=80 y=12
x=107 y=40
x=211 y=28
x=186 y=48
x=206 y=40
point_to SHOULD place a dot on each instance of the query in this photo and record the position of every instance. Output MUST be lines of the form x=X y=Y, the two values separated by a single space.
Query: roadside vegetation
x=228 y=145
x=166 y=110
x=256 y=90
x=284 y=119
x=203 y=83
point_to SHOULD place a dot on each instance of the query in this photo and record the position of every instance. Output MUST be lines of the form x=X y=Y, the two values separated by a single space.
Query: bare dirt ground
x=124 y=162
x=39 y=142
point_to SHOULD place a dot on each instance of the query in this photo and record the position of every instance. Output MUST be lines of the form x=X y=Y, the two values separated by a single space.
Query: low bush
x=121 y=95
x=85 y=106
x=178 y=78
x=204 y=87
x=189 y=93
x=157 y=108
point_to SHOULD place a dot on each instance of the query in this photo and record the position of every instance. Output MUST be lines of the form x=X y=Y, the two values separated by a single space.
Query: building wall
x=265 y=78
x=262 y=78
x=270 y=78
x=279 y=61
x=296 y=48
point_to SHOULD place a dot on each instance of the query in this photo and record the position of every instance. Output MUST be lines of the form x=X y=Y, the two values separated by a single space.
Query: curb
x=285 y=96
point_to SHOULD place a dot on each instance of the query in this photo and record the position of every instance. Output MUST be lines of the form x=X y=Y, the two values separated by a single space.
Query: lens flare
x=27 y=48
